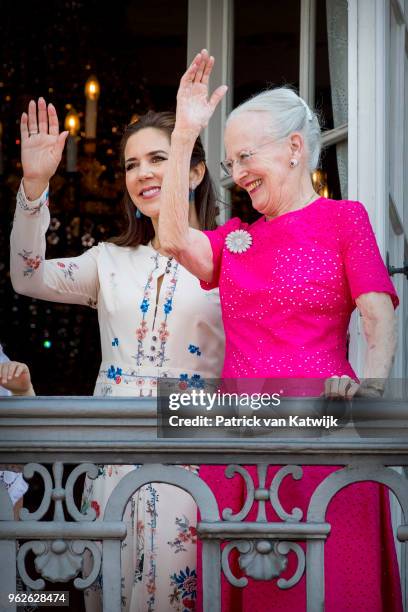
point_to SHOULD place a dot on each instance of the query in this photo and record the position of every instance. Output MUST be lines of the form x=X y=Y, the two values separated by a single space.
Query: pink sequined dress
x=286 y=304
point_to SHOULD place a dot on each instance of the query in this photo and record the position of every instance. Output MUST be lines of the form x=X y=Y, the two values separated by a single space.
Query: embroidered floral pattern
x=96 y=507
x=167 y=307
x=87 y=504
x=68 y=269
x=163 y=331
x=141 y=331
x=106 y=390
x=138 y=575
x=185 y=533
x=143 y=386
x=101 y=470
x=151 y=509
x=195 y=382
x=31 y=263
x=115 y=374
x=156 y=356
x=25 y=204
x=144 y=306
x=185 y=588
x=194 y=350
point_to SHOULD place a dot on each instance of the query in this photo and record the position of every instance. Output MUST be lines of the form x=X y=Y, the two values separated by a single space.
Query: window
x=299 y=42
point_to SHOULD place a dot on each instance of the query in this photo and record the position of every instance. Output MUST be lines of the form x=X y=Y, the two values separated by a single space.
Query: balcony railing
x=88 y=431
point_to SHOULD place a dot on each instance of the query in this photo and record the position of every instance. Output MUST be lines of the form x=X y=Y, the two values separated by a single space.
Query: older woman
x=288 y=284
x=154 y=318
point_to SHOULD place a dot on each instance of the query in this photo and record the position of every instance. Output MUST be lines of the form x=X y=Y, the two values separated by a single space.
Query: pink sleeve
x=364 y=265
x=217 y=240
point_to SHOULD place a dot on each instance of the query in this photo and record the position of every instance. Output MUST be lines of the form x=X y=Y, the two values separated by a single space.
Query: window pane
x=396 y=110
x=331 y=95
x=266 y=54
x=266 y=46
x=326 y=178
x=405 y=211
x=331 y=61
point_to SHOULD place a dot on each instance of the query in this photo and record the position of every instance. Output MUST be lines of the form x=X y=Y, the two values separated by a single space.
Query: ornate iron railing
x=89 y=431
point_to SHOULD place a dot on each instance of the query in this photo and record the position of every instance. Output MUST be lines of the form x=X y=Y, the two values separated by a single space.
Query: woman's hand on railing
x=41 y=146
x=338 y=387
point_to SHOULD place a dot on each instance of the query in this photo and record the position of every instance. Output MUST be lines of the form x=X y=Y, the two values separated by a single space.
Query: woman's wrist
x=34 y=188
x=184 y=136
x=371 y=387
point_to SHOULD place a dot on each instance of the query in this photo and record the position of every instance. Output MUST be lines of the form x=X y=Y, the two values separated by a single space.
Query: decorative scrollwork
x=79 y=546
x=38 y=548
x=59 y=561
x=263 y=560
x=297 y=473
x=242 y=546
x=91 y=470
x=262 y=495
x=29 y=470
x=57 y=493
x=230 y=471
x=284 y=548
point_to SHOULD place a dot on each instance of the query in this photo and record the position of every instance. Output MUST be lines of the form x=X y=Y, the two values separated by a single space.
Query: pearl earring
x=293 y=162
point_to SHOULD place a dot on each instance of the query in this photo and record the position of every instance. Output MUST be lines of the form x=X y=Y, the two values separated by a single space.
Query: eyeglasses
x=243 y=160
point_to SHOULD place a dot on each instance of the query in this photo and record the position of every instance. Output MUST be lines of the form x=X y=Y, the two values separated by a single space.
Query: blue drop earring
x=138 y=214
x=191 y=198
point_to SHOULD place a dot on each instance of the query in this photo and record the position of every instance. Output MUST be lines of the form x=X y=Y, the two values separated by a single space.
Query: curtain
x=337 y=37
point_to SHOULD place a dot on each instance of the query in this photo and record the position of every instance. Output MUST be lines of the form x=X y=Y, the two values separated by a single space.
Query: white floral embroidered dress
x=144 y=335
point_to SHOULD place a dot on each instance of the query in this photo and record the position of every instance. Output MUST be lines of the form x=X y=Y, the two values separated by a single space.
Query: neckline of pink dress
x=292 y=212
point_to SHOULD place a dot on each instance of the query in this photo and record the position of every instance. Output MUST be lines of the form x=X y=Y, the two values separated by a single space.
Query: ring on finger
x=32 y=132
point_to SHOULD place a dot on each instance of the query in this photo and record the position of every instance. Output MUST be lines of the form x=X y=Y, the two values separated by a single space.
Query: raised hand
x=41 y=146
x=194 y=109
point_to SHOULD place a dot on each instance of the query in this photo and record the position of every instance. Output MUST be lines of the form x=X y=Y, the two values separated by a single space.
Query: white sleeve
x=14 y=483
x=73 y=280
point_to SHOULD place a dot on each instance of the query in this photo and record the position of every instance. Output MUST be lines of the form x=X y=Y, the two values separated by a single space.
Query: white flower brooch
x=238 y=241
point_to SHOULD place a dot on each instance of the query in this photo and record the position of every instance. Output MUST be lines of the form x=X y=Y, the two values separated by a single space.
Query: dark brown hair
x=140 y=231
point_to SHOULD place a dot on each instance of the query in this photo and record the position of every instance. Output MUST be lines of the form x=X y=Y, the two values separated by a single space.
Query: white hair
x=288 y=113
